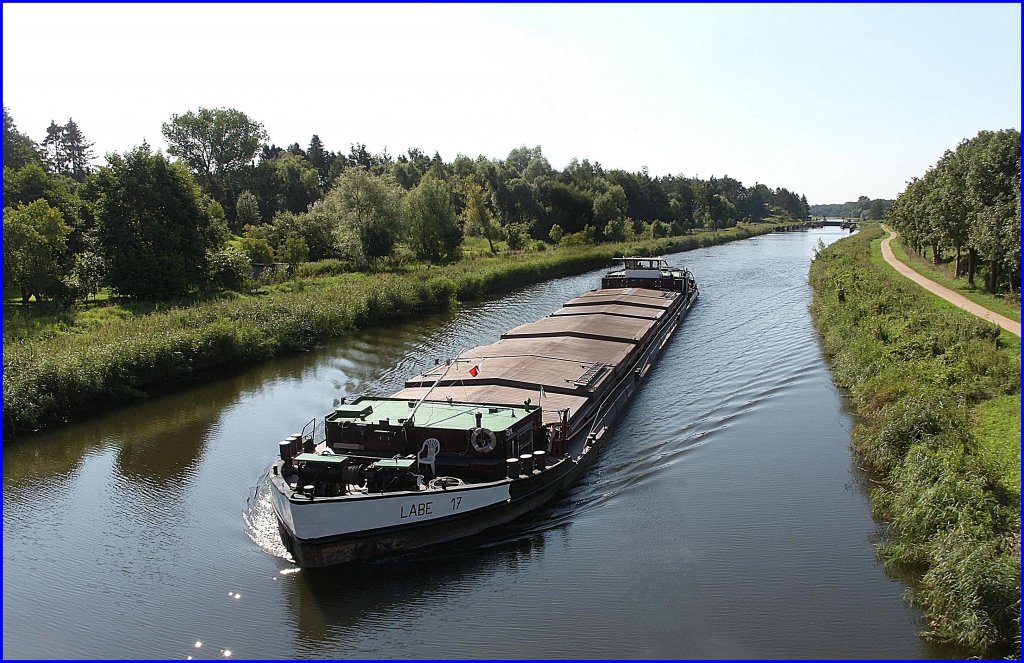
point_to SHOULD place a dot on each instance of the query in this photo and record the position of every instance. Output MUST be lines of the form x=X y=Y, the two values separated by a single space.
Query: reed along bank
x=920 y=372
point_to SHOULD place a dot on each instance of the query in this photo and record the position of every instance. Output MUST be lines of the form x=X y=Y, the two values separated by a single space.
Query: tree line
x=969 y=202
x=864 y=208
x=158 y=227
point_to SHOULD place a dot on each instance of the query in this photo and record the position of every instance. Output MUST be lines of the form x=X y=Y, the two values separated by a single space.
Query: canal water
x=724 y=518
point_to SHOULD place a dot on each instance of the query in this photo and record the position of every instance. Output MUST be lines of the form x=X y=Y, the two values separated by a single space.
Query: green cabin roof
x=432 y=414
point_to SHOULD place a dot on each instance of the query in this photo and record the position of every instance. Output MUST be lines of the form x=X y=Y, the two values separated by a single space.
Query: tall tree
x=55 y=149
x=35 y=249
x=298 y=184
x=434 y=232
x=247 y=210
x=19 y=149
x=214 y=142
x=321 y=160
x=476 y=216
x=955 y=217
x=31 y=182
x=156 y=226
x=609 y=206
x=79 y=151
x=369 y=208
x=993 y=181
x=67 y=151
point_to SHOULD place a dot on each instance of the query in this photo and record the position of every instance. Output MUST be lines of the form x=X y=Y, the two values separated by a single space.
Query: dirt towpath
x=955 y=298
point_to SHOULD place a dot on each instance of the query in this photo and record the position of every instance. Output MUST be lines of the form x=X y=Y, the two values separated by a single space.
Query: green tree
x=156 y=226
x=214 y=142
x=258 y=248
x=55 y=149
x=556 y=233
x=89 y=271
x=993 y=181
x=369 y=209
x=476 y=217
x=79 y=151
x=293 y=250
x=376 y=241
x=565 y=205
x=320 y=159
x=19 y=149
x=35 y=250
x=875 y=210
x=230 y=269
x=955 y=224
x=516 y=235
x=247 y=210
x=406 y=174
x=31 y=182
x=434 y=232
x=586 y=236
x=615 y=230
x=298 y=183
x=610 y=206
x=67 y=150
x=317 y=228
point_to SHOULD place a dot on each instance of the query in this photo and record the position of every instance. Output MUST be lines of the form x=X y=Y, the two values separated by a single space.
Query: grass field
x=997 y=429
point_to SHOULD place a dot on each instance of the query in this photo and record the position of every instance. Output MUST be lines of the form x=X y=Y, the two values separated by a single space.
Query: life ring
x=484 y=440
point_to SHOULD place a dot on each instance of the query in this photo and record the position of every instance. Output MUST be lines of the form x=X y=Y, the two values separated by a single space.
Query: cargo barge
x=483 y=438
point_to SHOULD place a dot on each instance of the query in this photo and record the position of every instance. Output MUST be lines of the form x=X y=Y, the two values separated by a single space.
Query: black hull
x=533 y=493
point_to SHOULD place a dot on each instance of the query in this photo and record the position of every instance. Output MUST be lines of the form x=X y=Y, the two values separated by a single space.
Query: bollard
x=526 y=464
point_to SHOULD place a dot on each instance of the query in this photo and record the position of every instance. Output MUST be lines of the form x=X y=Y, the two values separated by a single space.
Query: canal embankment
x=935 y=390
x=49 y=379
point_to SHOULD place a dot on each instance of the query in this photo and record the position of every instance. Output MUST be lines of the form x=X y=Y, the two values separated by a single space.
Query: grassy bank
x=51 y=376
x=943 y=273
x=933 y=388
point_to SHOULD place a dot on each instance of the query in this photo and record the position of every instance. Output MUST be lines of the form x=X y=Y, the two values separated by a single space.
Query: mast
x=447 y=367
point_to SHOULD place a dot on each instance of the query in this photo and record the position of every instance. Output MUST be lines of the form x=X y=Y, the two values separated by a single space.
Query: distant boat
x=482 y=439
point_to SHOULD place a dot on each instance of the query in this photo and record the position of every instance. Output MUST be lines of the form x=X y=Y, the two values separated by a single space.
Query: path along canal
x=724 y=519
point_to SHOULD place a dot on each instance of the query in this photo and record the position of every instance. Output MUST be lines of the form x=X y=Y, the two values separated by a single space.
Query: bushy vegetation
x=917 y=369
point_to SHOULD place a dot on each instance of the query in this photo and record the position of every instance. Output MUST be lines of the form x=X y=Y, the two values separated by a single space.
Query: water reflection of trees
x=160 y=439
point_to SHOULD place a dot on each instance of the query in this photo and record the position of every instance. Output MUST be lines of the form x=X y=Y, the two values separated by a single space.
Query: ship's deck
x=557 y=362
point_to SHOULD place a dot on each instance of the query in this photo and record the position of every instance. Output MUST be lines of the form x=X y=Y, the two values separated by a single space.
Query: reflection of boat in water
x=482 y=439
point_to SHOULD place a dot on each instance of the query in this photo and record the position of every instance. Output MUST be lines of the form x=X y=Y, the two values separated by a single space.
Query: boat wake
x=261 y=522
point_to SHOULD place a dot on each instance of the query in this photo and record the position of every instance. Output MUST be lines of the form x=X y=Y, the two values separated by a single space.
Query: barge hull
x=525 y=494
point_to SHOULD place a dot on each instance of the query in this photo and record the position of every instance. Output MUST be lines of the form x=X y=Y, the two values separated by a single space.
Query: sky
x=833 y=101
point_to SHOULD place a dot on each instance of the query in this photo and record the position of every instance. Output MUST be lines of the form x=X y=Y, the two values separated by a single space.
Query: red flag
x=473 y=371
